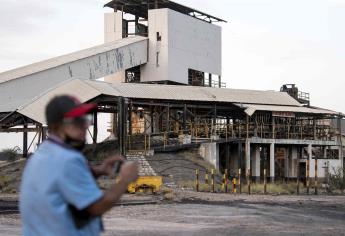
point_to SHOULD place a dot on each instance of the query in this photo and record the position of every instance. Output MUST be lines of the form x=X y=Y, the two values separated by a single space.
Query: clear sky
x=266 y=43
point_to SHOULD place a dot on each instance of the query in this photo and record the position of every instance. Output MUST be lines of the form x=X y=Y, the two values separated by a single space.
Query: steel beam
x=19 y=130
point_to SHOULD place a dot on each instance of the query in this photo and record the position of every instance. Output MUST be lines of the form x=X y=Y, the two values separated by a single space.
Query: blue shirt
x=54 y=178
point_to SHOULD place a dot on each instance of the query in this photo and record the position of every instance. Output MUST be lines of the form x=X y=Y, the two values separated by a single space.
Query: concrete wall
x=255 y=162
x=112 y=32
x=291 y=161
x=331 y=164
x=292 y=169
x=157 y=67
x=210 y=153
x=185 y=43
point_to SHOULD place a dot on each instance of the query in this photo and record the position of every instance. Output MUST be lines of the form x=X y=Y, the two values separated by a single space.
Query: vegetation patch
x=10 y=154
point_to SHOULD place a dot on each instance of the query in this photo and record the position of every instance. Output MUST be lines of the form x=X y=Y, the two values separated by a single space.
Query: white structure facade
x=177 y=43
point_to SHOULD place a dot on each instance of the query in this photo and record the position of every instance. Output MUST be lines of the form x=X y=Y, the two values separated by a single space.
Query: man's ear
x=58 y=130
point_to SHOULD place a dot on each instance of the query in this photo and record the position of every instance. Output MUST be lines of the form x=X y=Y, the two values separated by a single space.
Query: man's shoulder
x=59 y=150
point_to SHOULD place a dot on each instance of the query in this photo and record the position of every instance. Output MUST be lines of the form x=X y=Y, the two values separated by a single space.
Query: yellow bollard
x=234 y=182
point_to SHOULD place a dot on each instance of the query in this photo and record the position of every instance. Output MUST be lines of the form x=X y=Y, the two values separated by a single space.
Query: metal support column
x=185 y=117
x=120 y=124
x=308 y=166
x=95 y=127
x=240 y=153
x=215 y=120
x=130 y=109
x=247 y=153
x=44 y=133
x=25 y=142
x=125 y=120
x=152 y=120
x=168 y=119
x=272 y=162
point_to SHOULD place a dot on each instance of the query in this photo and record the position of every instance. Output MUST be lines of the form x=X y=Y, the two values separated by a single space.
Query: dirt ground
x=204 y=214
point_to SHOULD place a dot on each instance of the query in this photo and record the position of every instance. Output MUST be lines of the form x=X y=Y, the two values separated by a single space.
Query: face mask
x=74 y=143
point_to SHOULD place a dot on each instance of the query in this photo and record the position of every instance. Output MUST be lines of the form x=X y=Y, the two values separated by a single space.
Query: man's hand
x=129 y=172
x=106 y=168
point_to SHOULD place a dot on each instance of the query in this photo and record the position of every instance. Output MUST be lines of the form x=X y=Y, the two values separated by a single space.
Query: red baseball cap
x=67 y=106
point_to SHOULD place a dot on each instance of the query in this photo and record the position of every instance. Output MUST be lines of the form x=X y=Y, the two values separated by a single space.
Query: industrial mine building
x=162 y=69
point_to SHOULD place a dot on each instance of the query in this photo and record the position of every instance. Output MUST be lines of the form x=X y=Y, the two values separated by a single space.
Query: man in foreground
x=59 y=194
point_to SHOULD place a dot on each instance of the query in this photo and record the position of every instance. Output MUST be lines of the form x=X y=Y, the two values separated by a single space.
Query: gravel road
x=221 y=214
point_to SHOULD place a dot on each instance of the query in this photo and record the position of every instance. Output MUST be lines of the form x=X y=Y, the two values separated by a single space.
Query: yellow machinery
x=145 y=184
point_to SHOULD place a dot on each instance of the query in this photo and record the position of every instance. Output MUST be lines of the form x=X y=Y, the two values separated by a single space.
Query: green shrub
x=11 y=153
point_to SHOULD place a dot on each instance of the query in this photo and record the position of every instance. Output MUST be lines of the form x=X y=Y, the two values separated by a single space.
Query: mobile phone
x=117 y=167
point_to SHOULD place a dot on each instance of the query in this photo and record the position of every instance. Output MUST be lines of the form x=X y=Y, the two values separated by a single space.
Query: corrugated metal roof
x=191 y=93
x=35 y=109
x=86 y=90
x=251 y=108
x=61 y=60
x=140 y=8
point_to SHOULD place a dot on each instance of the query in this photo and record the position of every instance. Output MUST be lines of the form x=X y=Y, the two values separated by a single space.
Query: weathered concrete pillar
x=210 y=152
x=113 y=31
x=227 y=156
x=272 y=162
x=247 y=153
x=255 y=156
x=324 y=152
x=341 y=158
x=234 y=160
x=287 y=162
x=311 y=161
x=293 y=162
